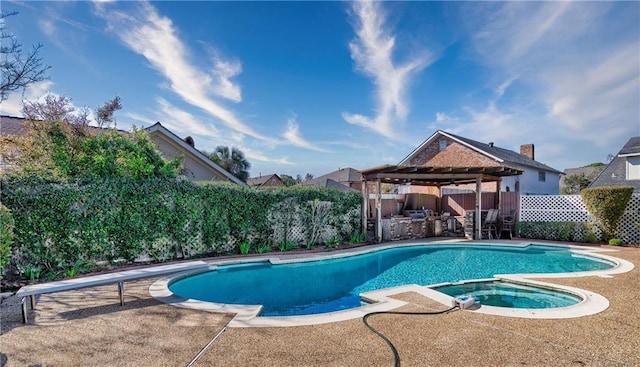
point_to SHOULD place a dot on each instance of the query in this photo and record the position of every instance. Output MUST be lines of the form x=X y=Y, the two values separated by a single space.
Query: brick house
x=444 y=149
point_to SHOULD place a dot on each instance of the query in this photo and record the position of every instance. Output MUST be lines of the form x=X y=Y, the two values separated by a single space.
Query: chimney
x=491 y=144
x=528 y=150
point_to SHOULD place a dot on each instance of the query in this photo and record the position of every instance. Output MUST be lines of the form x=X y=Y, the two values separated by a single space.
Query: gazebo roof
x=436 y=176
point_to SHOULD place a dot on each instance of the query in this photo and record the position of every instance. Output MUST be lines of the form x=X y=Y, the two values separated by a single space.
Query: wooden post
x=499 y=193
x=121 y=292
x=365 y=206
x=24 y=310
x=378 y=212
x=478 y=208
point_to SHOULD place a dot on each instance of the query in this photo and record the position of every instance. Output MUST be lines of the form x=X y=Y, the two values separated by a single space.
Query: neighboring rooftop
x=12 y=125
x=632 y=147
x=615 y=173
x=265 y=180
x=343 y=175
x=328 y=183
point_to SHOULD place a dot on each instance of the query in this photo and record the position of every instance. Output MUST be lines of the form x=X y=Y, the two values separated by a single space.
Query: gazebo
x=430 y=176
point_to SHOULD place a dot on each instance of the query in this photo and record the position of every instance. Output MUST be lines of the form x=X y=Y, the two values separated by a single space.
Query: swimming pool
x=321 y=286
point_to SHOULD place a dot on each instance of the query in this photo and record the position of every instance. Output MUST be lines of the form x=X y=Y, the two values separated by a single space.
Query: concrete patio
x=88 y=327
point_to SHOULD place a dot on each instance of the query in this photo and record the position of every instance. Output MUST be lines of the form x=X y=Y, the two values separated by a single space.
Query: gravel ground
x=89 y=328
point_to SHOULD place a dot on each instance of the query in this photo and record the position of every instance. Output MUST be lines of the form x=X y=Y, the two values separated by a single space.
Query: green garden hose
x=396 y=356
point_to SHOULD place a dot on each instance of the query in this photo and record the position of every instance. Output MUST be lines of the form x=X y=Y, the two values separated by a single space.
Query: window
x=442 y=145
x=542 y=176
x=633 y=168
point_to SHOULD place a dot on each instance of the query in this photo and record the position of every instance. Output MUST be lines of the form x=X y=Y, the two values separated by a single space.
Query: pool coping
x=381 y=300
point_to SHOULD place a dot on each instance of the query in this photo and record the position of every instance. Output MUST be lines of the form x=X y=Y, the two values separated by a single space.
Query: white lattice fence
x=288 y=222
x=570 y=208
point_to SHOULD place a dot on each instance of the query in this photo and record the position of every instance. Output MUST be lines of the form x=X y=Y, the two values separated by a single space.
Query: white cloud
x=372 y=52
x=12 y=106
x=223 y=71
x=441 y=116
x=514 y=34
x=180 y=121
x=153 y=36
x=598 y=98
x=502 y=88
x=47 y=26
x=577 y=69
x=259 y=156
x=141 y=118
x=292 y=135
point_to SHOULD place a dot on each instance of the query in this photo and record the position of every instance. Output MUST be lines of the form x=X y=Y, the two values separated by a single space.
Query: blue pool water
x=504 y=294
x=335 y=284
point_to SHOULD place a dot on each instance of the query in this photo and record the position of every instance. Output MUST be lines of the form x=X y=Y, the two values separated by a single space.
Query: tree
x=105 y=114
x=573 y=184
x=54 y=142
x=18 y=70
x=61 y=144
x=232 y=160
x=288 y=180
x=307 y=177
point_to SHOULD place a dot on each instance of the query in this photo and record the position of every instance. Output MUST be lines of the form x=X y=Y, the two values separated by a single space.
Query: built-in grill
x=414 y=214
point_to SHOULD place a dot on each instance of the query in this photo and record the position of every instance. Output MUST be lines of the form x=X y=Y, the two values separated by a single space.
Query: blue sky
x=310 y=87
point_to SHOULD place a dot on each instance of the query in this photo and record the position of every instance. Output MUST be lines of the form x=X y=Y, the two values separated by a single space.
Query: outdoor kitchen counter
x=399 y=228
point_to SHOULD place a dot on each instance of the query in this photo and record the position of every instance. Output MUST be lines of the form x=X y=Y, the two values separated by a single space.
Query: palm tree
x=232 y=160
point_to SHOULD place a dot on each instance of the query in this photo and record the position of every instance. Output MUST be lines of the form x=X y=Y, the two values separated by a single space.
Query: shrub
x=607 y=205
x=557 y=231
x=615 y=242
x=287 y=246
x=6 y=237
x=357 y=238
x=244 y=248
x=263 y=249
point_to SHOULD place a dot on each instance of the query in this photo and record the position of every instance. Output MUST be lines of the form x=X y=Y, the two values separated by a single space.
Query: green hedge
x=607 y=205
x=6 y=236
x=558 y=231
x=63 y=228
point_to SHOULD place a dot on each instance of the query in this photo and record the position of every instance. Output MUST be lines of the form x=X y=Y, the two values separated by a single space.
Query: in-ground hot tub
x=514 y=295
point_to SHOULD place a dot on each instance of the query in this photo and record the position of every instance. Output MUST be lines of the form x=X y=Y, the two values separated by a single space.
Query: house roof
x=328 y=183
x=631 y=148
x=348 y=175
x=157 y=127
x=12 y=125
x=261 y=180
x=615 y=174
x=502 y=155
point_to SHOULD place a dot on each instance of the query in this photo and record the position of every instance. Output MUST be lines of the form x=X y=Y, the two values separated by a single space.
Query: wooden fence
x=459 y=204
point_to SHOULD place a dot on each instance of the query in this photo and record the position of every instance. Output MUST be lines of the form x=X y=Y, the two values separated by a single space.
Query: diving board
x=118 y=277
